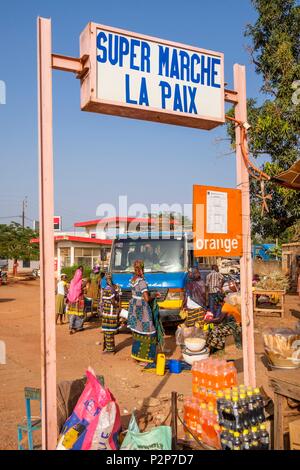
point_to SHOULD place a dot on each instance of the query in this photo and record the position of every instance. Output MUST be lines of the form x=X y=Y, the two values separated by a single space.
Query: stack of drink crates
x=221 y=414
x=210 y=376
x=242 y=419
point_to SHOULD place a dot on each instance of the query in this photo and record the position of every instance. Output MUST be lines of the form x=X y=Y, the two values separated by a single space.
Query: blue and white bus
x=167 y=259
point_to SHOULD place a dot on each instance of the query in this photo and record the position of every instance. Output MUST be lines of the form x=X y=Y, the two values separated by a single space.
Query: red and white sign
x=57 y=223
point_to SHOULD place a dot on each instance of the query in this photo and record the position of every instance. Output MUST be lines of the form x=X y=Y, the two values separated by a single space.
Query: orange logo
x=217 y=221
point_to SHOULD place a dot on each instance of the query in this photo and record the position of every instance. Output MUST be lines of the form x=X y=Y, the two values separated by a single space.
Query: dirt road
x=19 y=328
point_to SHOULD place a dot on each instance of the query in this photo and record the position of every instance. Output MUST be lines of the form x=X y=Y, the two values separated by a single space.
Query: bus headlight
x=175 y=294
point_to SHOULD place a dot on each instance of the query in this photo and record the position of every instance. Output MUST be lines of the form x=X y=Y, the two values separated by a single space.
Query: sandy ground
x=19 y=328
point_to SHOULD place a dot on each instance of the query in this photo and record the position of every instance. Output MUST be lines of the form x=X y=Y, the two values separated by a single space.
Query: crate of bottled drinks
x=222 y=414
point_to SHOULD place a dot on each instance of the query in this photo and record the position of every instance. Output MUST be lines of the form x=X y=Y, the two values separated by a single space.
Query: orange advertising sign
x=217 y=221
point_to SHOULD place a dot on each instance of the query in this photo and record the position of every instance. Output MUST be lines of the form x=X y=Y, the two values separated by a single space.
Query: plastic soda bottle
x=236 y=413
x=225 y=438
x=237 y=443
x=246 y=439
x=228 y=417
x=254 y=438
x=203 y=421
x=217 y=442
x=209 y=378
x=244 y=411
x=195 y=414
x=251 y=408
x=259 y=405
x=264 y=437
x=230 y=440
x=187 y=414
x=220 y=407
x=232 y=374
x=211 y=421
x=222 y=367
x=202 y=371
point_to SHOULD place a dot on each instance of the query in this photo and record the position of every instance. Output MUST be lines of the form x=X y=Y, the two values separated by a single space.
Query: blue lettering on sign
x=184 y=66
x=101 y=37
x=143 y=93
x=127 y=88
x=145 y=57
x=183 y=99
x=163 y=64
x=205 y=70
x=124 y=48
x=195 y=60
x=113 y=49
x=215 y=62
x=134 y=43
x=177 y=105
x=190 y=67
x=174 y=69
x=165 y=92
x=192 y=92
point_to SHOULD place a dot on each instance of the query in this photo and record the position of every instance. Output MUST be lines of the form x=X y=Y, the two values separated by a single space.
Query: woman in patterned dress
x=93 y=290
x=75 y=302
x=109 y=309
x=140 y=318
x=225 y=325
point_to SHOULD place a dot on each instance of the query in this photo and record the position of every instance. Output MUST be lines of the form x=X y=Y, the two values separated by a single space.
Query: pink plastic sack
x=106 y=436
x=95 y=419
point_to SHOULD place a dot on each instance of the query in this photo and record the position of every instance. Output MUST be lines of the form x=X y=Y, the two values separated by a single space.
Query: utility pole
x=24 y=206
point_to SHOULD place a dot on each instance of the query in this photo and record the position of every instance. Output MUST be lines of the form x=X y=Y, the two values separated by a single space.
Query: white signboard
x=216 y=212
x=149 y=78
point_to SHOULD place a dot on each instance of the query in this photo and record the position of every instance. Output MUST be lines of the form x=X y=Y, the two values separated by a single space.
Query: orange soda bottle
x=232 y=374
x=194 y=414
x=204 y=421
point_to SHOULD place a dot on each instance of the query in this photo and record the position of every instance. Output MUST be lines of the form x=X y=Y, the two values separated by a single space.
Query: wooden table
x=271 y=311
x=286 y=384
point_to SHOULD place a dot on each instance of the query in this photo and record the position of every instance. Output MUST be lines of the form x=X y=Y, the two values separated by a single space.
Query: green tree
x=275 y=124
x=15 y=242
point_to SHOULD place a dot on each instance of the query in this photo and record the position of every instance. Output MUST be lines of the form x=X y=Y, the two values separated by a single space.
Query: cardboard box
x=294 y=428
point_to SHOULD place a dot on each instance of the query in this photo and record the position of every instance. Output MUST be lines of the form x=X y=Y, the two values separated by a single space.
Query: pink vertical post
x=239 y=73
x=47 y=289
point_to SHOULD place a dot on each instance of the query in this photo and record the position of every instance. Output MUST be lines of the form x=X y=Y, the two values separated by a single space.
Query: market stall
x=286 y=386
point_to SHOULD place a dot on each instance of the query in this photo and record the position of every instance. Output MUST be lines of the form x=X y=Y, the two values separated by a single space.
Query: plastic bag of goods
x=184 y=332
x=95 y=423
x=233 y=298
x=159 y=438
x=282 y=346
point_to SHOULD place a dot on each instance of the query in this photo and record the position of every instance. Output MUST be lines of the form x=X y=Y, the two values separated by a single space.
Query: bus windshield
x=158 y=255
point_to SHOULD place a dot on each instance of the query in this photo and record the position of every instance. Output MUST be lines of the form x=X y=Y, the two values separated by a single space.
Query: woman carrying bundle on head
x=143 y=318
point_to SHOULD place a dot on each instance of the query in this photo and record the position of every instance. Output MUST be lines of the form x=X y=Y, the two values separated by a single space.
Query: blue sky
x=98 y=157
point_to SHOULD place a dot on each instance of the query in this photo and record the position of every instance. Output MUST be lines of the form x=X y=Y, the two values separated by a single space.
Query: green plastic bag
x=159 y=438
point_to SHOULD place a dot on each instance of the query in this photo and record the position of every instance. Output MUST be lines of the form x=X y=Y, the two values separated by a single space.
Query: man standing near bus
x=214 y=283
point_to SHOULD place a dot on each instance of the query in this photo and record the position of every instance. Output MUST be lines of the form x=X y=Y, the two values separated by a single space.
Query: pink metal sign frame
x=81 y=67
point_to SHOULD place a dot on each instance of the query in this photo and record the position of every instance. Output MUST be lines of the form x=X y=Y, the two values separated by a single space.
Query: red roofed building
x=92 y=245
